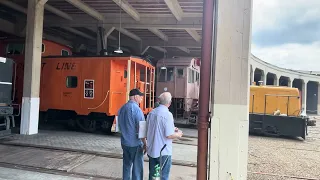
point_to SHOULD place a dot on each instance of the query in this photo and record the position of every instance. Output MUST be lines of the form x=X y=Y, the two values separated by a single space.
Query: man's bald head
x=165 y=99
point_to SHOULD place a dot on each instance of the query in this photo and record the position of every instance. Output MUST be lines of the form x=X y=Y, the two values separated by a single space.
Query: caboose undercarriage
x=90 y=123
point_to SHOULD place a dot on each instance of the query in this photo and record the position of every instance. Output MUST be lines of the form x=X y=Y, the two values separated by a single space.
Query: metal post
x=135 y=75
x=145 y=87
x=204 y=97
x=128 y=79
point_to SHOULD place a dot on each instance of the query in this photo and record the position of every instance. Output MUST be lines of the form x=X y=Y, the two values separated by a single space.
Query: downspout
x=204 y=95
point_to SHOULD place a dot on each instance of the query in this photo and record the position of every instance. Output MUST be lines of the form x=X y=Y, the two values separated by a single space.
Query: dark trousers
x=132 y=163
x=166 y=166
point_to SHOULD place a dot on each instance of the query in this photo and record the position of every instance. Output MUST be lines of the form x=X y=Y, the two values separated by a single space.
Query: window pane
x=125 y=75
x=179 y=73
x=72 y=82
x=170 y=74
x=42 y=48
x=64 y=53
x=197 y=76
x=162 y=75
x=189 y=75
x=14 y=49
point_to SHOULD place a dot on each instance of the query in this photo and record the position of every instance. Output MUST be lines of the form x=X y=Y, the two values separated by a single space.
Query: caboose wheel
x=86 y=124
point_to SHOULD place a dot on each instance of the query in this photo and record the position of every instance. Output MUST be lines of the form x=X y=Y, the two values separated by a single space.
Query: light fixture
x=119 y=51
x=3 y=60
x=163 y=67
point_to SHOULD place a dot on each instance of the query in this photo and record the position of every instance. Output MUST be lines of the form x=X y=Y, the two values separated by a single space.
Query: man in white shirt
x=161 y=131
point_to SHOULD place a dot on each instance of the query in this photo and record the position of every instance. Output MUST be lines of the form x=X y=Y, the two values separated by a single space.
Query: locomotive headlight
x=3 y=60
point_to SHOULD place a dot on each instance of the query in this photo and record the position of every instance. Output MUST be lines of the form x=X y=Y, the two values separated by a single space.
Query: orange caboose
x=15 y=49
x=93 y=89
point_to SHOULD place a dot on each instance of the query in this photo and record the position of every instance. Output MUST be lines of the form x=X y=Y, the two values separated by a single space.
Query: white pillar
x=32 y=67
x=318 y=106
x=229 y=131
x=252 y=75
x=265 y=77
x=304 y=97
x=290 y=82
x=276 y=81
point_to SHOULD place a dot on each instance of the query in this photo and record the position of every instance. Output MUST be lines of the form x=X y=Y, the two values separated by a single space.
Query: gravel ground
x=285 y=157
x=281 y=158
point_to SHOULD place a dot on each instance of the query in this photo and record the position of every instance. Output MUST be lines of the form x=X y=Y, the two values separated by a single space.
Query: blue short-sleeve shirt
x=129 y=116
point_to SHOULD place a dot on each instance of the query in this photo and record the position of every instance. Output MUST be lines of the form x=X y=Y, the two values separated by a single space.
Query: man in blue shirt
x=161 y=131
x=133 y=148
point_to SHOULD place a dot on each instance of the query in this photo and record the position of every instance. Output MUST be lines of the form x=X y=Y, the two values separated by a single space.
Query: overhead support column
x=230 y=90
x=102 y=38
x=32 y=68
x=304 y=97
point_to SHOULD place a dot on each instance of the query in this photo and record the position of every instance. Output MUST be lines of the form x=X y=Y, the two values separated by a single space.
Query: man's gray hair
x=165 y=98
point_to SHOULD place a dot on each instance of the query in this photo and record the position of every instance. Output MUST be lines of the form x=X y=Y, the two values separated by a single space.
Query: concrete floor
x=99 y=155
x=18 y=174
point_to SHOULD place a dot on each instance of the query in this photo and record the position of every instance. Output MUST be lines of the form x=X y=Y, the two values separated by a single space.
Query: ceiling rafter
x=58 y=12
x=95 y=14
x=194 y=34
x=175 y=8
x=79 y=33
x=87 y=9
x=128 y=9
x=159 y=33
x=184 y=49
x=159 y=48
x=129 y=34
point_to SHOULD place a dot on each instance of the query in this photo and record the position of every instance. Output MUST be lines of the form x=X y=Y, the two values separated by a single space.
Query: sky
x=286 y=33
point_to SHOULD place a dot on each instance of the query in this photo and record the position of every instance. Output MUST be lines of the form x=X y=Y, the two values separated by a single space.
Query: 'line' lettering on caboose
x=66 y=66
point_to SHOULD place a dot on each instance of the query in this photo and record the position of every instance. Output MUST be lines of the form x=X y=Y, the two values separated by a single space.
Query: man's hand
x=179 y=134
x=144 y=149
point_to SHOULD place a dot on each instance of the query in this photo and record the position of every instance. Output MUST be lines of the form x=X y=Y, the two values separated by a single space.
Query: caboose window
x=125 y=75
x=64 y=52
x=43 y=48
x=72 y=81
x=15 y=48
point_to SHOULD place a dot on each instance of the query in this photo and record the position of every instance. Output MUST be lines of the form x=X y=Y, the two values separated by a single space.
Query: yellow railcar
x=270 y=99
x=275 y=110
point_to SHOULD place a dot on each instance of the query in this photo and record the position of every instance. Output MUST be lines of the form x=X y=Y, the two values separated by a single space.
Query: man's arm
x=140 y=117
x=170 y=129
